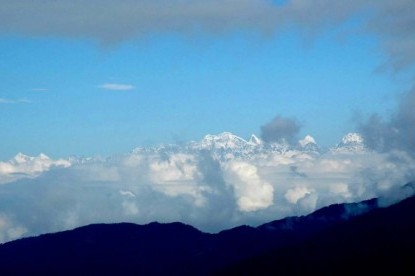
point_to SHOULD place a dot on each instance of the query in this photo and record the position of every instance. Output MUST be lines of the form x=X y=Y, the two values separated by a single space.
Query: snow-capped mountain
x=21 y=158
x=223 y=147
x=255 y=140
x=35 y=163
x=308 y=144
x=227 y=146
x=222 y=141
x=350 y=143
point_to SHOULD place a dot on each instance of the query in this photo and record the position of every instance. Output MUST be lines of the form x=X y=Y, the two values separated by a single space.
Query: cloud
x=23 y=166
x=8 y=230
x=110 y=21
x=251 y=192
x=297 y=193
x=113 y=21
x=40 y=89
x=280 y=129
x=395 y=133
x=14 y=101
x=40 y=195
x=116 y=86
x=394 y=23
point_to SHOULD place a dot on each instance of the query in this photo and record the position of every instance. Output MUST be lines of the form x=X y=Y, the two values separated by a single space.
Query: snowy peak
x=254 y=140
x=307 y=141
x=308 y=144
x=352 y=138
x=21 y=158
x=225 y=140
x=43 y=156
x=351 y=142
x=226 y=146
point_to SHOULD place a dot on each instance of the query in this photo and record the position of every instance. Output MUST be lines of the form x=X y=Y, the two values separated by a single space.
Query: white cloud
x=23 y=166
x=251 y=192
x=14 y=101
x=127 y=193
x=178 y=175
x=116 y=86
x=44 y=195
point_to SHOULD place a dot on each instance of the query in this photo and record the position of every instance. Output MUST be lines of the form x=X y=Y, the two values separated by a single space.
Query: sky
x=99 y=78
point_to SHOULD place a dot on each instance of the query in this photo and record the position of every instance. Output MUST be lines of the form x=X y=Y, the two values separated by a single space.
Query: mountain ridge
x=174 y=248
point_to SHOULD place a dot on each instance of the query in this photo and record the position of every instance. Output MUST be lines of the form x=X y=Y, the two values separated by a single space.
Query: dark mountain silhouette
x=326 y=241
x=381 y=241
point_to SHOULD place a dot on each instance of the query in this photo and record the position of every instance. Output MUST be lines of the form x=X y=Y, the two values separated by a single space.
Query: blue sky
x=185 y=85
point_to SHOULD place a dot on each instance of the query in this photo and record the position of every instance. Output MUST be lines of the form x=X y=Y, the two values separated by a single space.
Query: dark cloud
x=397 y=133
x=112 y=21
x=295 y=172
x=280 y=129
x=115 y=20
x=394 y=23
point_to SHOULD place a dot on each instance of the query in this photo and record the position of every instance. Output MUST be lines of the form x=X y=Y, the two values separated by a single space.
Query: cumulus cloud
x=251 y=192
x=280 y=129
x=194 y=186
x=23 y=166
x=116 y=86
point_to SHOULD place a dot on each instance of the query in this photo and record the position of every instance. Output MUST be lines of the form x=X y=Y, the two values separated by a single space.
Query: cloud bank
x=214 y=184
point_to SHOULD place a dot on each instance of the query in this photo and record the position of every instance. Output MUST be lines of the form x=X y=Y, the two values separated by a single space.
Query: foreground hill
x=380 y=241
x=335 y=239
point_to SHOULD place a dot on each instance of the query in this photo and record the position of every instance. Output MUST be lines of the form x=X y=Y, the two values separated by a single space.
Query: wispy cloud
x=40 y=89
x=14 y=101
x=116 y=86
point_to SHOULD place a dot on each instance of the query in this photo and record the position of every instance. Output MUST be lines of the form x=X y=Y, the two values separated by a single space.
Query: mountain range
x=339 y=239
x=227 y=146
x=222 y=147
